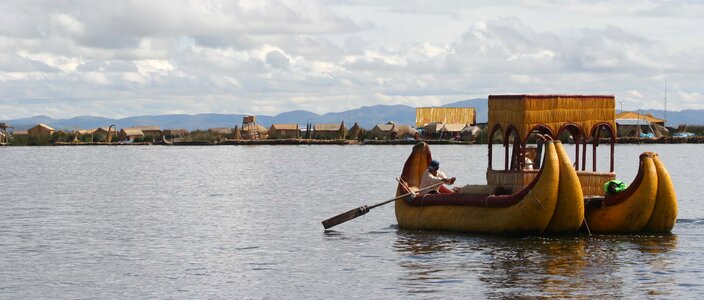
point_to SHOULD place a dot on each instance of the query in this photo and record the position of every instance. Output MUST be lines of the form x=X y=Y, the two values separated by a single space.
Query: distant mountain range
x=366 y=116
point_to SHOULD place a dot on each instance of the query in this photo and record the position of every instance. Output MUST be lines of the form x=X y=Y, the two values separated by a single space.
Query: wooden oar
x=359 y=211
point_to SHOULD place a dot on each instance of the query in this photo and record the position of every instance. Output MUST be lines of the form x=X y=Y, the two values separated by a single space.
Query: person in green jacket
x=615 y=186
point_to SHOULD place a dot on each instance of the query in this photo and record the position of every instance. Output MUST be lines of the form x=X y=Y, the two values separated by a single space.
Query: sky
x=127 y=58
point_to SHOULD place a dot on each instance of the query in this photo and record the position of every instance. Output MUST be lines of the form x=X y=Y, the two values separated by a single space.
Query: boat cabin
x=517 y=120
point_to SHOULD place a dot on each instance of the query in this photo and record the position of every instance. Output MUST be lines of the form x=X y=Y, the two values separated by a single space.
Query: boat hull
x=628 y=211
x=569 y=211
x=527 y=211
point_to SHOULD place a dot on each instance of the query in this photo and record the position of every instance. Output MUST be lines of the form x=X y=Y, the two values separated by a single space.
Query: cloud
x=277 y=60
x=151 y=57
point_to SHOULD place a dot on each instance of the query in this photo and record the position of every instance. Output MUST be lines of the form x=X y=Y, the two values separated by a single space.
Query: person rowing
x=432 y=176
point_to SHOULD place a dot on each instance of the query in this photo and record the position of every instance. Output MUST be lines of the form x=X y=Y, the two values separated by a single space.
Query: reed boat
x=570 y=196
x=526 y=211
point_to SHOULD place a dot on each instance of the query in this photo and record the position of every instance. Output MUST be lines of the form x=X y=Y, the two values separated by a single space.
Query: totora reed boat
x=540 y=189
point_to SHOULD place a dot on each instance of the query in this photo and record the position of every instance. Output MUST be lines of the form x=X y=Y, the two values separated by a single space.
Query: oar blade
x=346 y=216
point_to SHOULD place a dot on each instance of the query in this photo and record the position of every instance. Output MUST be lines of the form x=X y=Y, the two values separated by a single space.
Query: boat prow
x=665 y=210
x=569 y=211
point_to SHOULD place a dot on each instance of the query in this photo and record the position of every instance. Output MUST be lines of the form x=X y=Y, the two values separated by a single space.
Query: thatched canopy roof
x=452 y=115
x=637 y=116
x=523 y=113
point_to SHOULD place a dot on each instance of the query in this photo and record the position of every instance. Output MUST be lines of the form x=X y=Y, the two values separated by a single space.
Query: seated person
x=614 y=186
x=432 y=176
x=530 y=155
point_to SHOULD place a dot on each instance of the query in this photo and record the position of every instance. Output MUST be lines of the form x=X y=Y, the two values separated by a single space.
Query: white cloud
x=163 y=56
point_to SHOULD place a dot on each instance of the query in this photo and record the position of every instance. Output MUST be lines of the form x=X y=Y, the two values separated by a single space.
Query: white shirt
x=528 y=165
x=429 y=179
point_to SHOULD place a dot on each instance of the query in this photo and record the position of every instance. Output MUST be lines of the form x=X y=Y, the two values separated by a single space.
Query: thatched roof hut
x=129 y=134
x=329 y=131
x=282 y=131
x=386 y=131
x=261 y=131
x=406 y=131
x=445 y=115
x=154 y=131
x=40 y=129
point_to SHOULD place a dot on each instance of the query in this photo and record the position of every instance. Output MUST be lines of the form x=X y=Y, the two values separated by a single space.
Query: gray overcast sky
x=126 y=58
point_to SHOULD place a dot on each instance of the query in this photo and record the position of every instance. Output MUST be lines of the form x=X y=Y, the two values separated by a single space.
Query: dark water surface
x=244 y=222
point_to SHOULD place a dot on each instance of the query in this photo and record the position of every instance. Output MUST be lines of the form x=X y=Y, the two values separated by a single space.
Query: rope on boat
x=586 y=225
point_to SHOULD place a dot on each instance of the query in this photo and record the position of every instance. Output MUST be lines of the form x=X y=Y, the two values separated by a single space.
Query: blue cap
x=434 y=165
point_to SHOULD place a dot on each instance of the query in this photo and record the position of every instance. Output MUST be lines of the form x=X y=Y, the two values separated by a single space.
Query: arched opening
x=496 y=134
x=603 y=132
x=533 y=147
x=571 y=132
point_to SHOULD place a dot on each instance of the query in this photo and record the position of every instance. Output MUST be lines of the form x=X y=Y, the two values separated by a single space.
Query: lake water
x=236 y=222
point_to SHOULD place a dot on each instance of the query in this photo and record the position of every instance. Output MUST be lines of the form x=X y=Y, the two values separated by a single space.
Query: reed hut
x=355 y=132
x=102 y=131
x=130 y=134
x=406 y=131
x=432 y=130
x=585 y=118
x=284 y=131
x=152 y=131
x=470 y=133
x=329 y=131
x=452 y=130
x=40 y=130
x=437 y=130
x=445 y=115
x=254 y=131
x=386 y=131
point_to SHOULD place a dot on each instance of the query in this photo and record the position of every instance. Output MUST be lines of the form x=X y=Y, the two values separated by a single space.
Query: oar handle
x=406 y=194
x=349 y=215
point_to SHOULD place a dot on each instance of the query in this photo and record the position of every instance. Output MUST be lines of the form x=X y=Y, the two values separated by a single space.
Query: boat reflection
x=564 y=266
